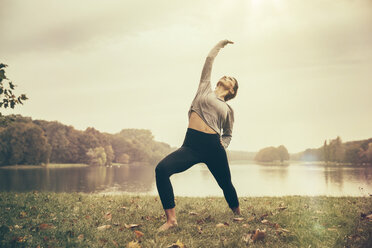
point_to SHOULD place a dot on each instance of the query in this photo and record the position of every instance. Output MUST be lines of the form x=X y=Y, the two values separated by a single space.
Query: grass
x=75 y=219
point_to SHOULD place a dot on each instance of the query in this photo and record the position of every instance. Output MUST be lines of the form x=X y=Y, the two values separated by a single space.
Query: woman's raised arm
x=207 y=69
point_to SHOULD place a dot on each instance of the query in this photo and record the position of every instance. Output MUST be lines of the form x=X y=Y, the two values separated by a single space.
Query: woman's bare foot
x=167 y=225
x=236 y=210
x=171 y=220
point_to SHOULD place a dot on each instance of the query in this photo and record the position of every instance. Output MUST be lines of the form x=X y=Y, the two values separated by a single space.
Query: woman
x=203 y=142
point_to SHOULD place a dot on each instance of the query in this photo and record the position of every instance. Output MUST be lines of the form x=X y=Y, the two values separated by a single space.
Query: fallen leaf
x=259 y=235
x=108 y=216
x=369 y=217
x=146 y=217
x=250 y=219
x=200 y=221
x=245 y=225
x=193 y=213
x=200 y=230
x=332 y=229
x=281 y=230
x=22 y=214
x=133 y=244
x=45 y=226
x=104 y=227
x=139 y=234
x=115 y=243
x=81 y=236
x=20 y=239
x=17 y=227
x=263 y=216
x=264 y=221
x=178 y=244
x=238 y=219
x=131 y=226
x=222 y=224
x=123 y=207
x=354 y=237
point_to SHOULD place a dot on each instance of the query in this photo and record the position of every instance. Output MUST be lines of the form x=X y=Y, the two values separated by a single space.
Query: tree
x=7 y=97
x=97 y=156
x=366 y=154
x=325 y=151
x=109 y=154
x=268 y=154
x=123 y=158
x=283 y=153
x=336 y=150
x=23 y=143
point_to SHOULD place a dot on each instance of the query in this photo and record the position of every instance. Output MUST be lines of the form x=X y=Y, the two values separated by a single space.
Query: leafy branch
x=7 y=97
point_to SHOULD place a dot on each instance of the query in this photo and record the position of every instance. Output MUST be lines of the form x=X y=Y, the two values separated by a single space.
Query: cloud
x=59 y=25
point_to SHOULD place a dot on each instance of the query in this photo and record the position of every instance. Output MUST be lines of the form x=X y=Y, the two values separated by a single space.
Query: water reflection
x=249 y=179
x=139 y=178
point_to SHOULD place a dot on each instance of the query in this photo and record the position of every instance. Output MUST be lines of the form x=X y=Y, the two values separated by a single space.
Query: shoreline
x=232 y=162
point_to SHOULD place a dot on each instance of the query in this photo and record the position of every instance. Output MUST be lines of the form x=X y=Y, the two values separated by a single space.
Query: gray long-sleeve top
x=215 y=112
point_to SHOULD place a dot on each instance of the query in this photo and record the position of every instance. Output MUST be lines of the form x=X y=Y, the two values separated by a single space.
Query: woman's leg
x=219 y=166
x=176 y=162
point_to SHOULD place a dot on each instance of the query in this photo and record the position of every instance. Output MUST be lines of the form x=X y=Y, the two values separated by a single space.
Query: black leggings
x=197 y=147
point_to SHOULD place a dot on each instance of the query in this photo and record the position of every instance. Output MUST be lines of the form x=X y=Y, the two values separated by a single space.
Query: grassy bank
x=89 y=220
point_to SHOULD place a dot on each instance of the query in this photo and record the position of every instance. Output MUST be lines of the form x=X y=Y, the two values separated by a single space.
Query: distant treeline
x=271 y=153
x=27 y=141
x=356 y=152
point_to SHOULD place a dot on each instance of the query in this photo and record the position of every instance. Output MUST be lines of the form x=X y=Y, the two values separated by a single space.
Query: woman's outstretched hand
x=225 y=42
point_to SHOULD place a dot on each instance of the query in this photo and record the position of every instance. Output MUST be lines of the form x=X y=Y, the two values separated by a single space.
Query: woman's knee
x=161 y=169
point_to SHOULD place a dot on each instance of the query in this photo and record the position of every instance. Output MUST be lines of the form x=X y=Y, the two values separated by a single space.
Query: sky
x=303 y=67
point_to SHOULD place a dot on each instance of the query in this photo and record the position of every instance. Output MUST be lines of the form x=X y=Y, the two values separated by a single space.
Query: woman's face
x=227 y=82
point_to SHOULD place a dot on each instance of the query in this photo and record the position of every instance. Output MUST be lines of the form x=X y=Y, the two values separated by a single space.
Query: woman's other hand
x=221 y=141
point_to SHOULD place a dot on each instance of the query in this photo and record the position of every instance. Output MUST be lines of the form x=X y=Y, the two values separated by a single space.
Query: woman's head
x=231 y=84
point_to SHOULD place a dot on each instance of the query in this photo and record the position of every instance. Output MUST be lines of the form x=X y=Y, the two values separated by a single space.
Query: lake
x=249 y=179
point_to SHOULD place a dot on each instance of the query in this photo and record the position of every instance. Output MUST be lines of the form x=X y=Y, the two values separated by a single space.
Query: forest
x=26 y=141
x=334 y=150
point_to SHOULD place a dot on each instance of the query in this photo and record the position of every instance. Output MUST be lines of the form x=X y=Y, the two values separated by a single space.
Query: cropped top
x=215 y=112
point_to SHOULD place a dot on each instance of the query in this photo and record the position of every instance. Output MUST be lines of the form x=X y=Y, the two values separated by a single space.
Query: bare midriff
x=197 y=123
